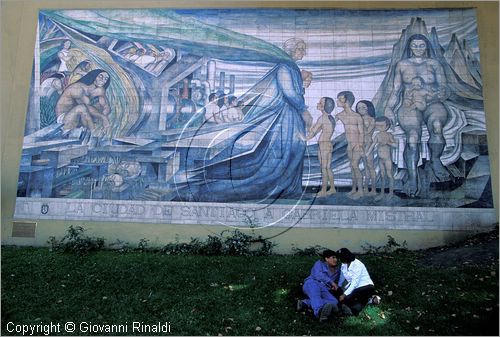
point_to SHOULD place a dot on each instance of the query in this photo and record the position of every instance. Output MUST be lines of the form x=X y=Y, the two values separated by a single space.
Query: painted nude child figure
x=383 y=140
x=325 y=124
x=367 y=111
x=307 y=78
x=354 y=132
x=417 y=97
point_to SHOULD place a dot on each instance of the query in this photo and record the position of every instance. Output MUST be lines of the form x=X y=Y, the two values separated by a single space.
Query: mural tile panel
x=263 y=107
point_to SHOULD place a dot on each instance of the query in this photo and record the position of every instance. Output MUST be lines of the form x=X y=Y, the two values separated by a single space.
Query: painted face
x=101 y=79
x=299 y=52
x=341 y=100
x=321 y=105
x=57 y=84
x=67 y=44
x=362 y=109
x=418 y=48
x=381 y=126
x=306 y=82
x=416 y=83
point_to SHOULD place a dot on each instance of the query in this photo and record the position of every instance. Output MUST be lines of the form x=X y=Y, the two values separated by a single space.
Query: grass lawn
x=202 y=295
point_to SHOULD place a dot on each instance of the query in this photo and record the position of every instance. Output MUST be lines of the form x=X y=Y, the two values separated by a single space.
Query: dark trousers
x=359 y=298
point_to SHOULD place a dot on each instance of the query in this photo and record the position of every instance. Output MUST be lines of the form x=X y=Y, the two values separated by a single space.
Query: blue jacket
x=322 y=274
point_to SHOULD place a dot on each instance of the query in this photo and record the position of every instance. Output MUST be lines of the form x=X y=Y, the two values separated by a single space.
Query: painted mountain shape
x=461 y=58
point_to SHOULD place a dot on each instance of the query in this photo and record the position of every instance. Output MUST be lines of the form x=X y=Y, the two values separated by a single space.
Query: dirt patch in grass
x=479 y=249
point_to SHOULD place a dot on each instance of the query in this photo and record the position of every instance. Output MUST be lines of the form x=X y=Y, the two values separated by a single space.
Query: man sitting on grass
x=322 y=287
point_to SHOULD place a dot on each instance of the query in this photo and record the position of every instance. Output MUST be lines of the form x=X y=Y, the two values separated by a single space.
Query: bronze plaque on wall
x=22 y=229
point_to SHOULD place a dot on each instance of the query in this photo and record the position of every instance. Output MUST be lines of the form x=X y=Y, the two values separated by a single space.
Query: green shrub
x=266 y=246
x=75 y=242
x=211 y=246
x=389 y=247
x=178 y=248
x=237 y=243
x=121 y=247
x=228 y=242
x=143 y=245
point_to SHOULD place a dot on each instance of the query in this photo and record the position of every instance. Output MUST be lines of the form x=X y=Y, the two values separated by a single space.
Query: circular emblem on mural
x=44 y=209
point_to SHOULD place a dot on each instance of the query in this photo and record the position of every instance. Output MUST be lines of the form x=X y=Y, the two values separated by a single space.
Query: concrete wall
x=18 y=37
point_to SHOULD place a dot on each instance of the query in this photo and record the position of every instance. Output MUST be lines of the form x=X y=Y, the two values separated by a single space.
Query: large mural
x=261 y=107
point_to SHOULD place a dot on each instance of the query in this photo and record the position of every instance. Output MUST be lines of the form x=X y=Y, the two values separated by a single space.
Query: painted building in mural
x=289 y=116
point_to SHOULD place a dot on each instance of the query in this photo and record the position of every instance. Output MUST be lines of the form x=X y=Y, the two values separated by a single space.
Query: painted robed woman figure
x=263 y=161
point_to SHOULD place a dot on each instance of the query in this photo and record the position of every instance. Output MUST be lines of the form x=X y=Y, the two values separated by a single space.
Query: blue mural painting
x=323 y=107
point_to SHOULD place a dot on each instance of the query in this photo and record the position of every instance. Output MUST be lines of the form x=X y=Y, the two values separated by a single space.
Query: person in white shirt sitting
x=359 y=288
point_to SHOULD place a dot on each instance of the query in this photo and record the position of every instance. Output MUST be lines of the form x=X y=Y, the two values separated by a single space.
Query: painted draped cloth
x=262 y=160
